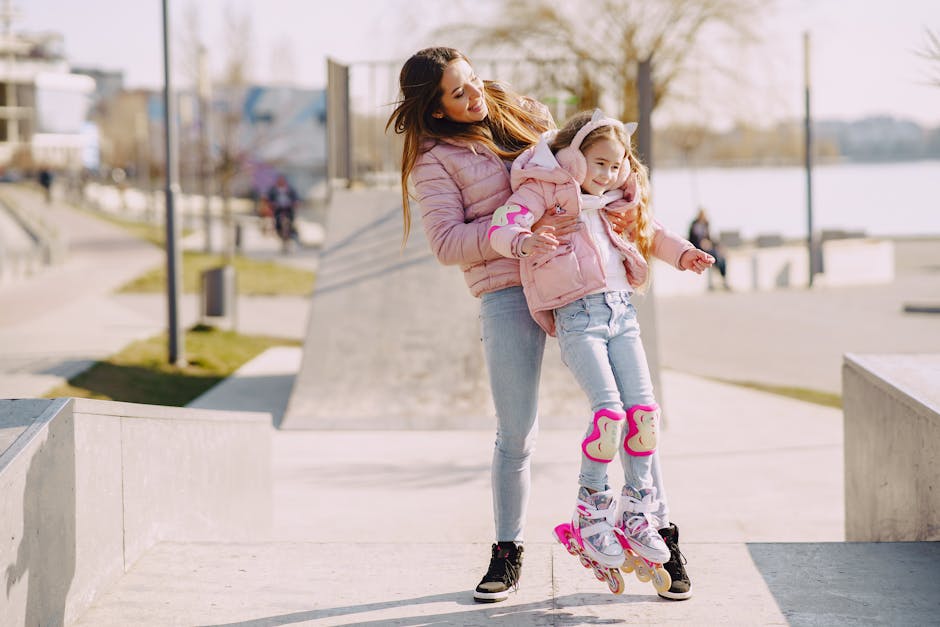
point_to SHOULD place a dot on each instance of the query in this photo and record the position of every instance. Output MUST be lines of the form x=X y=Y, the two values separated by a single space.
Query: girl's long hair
x=643 y=227
x=510 y=126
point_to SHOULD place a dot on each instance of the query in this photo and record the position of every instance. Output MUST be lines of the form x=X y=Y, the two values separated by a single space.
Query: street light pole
x=176 y=351
x=646 y=312
x=808 y=133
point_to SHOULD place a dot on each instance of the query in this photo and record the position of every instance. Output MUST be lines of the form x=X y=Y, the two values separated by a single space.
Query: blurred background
x=82 y=96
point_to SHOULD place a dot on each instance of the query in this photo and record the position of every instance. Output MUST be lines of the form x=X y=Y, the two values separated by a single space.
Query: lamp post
x=808 y=157
x=646 y=314
x=176 y=352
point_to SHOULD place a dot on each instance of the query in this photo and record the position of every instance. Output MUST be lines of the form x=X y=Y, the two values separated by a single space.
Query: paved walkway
x=389 y=523
x=797 y=337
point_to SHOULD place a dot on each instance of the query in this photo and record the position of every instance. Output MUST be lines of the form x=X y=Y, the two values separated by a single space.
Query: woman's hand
x=562 y=223
x=696 y=260
x=622 y=222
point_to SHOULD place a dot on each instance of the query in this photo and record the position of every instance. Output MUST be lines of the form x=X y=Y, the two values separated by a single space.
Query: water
x=881 y=199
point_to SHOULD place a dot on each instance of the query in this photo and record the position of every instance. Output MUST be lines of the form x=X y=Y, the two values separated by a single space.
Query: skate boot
x=681 y=587
x=503 y=573
x=591 y=537
x=646 y=551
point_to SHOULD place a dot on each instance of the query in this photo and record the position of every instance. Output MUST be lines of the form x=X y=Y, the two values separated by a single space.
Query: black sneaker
x=681 y=586
x=503 y=573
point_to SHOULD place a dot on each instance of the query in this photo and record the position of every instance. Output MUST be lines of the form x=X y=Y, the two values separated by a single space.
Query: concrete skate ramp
x=393 y=338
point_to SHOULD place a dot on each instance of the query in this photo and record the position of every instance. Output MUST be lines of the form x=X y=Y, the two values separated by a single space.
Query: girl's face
x=604 y=160
x=462 y=94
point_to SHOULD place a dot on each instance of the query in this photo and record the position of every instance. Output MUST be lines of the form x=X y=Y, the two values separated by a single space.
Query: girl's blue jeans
x=600 y=343
x=513 y=345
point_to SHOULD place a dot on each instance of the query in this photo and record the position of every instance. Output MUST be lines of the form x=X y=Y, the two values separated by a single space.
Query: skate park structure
x=371 y=503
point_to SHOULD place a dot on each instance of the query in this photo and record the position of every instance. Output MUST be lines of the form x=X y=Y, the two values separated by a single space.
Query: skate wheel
x=566 y=538
x=615 y=581
x=572 y=546
x=627 y=565
x=600 y=574
x=584 y=561
x=642 y=571
x=661 y=579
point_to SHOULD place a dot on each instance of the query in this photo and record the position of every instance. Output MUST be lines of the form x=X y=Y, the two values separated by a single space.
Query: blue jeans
x=513 y=345
x=600 y=343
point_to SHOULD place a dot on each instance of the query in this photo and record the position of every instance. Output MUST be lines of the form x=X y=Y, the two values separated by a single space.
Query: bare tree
x=931 y=52
x=597 y=45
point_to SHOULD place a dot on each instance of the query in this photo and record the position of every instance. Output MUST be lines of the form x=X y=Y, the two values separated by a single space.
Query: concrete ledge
x=758 y=268
x=892 y=464
x=857 y=262
x=88 y=486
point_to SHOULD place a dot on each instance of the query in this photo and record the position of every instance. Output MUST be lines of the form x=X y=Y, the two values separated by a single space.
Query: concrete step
x=308 y=583
x=412 y=584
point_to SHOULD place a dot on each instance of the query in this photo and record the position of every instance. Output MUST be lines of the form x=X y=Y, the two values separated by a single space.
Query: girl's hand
x=543 y=240
x=562 y=223
x=622 y=222
x=696 y=260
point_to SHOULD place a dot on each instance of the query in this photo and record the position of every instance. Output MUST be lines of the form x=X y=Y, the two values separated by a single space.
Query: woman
x=461 y=135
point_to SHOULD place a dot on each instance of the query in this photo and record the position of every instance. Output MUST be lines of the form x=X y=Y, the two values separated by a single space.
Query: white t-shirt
x=611 y=257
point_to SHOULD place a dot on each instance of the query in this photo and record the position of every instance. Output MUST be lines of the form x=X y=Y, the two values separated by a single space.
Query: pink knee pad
x=642 y=430
x=601 y=444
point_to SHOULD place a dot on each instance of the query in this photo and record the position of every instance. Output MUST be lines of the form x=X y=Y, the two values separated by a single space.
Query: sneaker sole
x=490 y=597
x=675 y=596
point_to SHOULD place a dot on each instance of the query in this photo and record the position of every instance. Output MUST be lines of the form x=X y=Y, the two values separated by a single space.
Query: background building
x=43 y=106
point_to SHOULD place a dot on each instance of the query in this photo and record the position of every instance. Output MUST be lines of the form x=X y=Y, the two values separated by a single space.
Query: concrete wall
x=752 y=268
x=89 y=486
x=892 y=461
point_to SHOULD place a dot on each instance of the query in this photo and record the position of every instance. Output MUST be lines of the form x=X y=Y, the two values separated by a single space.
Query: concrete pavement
x=797 y=337
x=390 y=524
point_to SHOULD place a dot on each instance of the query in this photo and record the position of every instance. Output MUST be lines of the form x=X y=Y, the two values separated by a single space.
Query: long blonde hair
x=508 y=129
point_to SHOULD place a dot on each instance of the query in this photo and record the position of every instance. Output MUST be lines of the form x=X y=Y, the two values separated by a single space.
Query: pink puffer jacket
x=574 y=269
x=458 y=187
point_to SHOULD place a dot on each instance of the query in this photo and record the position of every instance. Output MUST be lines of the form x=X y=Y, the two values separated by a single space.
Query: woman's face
x=462 y=94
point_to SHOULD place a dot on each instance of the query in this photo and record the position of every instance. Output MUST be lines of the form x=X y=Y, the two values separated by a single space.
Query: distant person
x=700 y=236
x=581 y=291
x=45 y=181
x=283 y=201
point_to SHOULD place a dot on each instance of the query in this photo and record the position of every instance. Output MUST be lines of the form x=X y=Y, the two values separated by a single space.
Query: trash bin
x=218 y=291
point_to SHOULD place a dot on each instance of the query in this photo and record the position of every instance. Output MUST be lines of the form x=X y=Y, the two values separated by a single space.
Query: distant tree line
x=880 y=138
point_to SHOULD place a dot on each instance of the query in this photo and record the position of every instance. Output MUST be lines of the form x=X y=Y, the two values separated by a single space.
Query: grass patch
x=801 y=394
x=253 y=277
x=140 y=372
x=147 y=231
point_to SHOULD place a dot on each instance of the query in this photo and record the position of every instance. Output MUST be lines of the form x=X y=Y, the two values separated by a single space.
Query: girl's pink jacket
x=574 y=269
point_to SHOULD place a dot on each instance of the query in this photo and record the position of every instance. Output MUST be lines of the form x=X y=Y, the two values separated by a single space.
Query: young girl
x=579 y=288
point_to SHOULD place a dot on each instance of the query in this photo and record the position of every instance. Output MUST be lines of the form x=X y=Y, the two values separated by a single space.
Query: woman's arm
x=453 y=241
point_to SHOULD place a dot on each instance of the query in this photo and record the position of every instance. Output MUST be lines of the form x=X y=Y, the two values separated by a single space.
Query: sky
x=864 y=57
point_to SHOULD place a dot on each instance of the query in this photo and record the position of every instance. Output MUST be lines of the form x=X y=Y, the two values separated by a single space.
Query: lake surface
x=881 y=199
